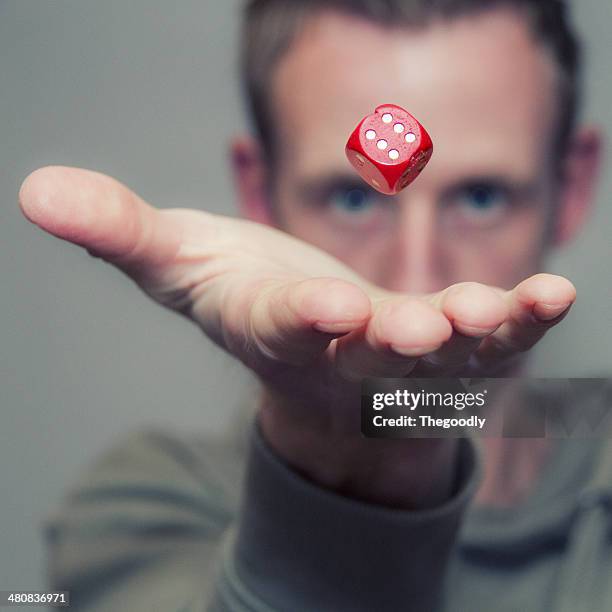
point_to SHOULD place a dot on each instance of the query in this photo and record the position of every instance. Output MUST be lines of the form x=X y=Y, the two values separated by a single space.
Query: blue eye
x=354 y=201
x=483 y=198
x=479 y=205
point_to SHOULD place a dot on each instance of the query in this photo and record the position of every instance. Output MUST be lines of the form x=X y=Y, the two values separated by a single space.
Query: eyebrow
x=315 y=188
x=522 y=188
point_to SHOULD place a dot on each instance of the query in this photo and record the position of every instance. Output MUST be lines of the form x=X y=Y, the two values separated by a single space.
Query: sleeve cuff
x=301 y=547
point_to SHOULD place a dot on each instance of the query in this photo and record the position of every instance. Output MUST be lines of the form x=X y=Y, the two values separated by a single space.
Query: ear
x=580 y=174
x=251 y=176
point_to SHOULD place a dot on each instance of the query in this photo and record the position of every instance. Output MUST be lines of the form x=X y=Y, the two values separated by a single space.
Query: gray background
x=146 y=91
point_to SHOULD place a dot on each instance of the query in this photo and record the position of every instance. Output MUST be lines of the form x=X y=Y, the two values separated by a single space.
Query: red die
x=389 y=149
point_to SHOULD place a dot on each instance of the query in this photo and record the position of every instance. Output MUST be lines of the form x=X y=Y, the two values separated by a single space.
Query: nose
x=414 y=260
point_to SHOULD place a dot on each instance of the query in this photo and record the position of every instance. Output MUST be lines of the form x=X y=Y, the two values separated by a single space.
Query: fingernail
x=414 y=351
x=474 y=332
x=338 y=327
x=547 y=312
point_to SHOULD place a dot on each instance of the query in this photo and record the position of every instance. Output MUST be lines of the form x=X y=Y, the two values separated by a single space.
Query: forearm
x=301 y=547
x=409 y=474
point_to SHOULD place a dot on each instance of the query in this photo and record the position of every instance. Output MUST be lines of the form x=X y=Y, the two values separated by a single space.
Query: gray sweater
x=167 y=522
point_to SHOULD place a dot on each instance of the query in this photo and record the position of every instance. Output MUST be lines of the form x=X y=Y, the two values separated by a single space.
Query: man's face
x=484 y=91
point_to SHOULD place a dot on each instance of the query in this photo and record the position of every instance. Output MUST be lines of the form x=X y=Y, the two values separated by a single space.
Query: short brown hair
x=270 y=26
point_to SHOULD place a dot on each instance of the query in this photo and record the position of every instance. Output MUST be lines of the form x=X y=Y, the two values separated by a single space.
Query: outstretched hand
x=305 y=323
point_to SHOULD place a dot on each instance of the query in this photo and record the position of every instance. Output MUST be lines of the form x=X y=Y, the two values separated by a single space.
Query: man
x=333 y=283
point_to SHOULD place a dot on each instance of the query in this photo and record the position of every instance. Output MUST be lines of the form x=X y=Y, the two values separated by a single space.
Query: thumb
x=100 y=214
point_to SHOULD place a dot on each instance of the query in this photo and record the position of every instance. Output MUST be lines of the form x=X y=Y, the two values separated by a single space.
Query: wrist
x=411 y=474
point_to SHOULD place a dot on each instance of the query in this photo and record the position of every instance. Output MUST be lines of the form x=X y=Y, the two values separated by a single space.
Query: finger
x=100 y=214
x=400 y=331
x=475 y=311
x=292 y=322
x=535 y=305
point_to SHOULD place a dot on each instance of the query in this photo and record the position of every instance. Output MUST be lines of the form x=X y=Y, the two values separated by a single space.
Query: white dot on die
x=387 y=117
x=398 y=128
x=393 y=154
x=360 y=159
x=370 y=134
x=382 y=144
x=410 y=137
x=375 y=183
